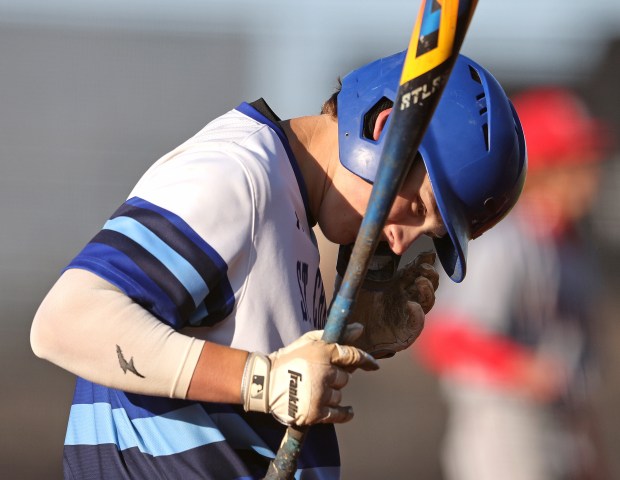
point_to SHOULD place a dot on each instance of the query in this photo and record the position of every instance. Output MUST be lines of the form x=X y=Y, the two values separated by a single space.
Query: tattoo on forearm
x=127 y=365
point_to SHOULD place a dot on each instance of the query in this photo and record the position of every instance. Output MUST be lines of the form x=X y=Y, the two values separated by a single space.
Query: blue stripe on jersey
x=136 y=406
x=138 y=409
x=175 y=263
x=158 y=259
x=99 y=423
x=145 y=431
x=152 y=267
x=210 y=462
x=190 y=427
x=178 y=234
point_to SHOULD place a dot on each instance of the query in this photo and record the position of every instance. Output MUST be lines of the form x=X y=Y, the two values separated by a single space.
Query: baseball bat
x=436 y=40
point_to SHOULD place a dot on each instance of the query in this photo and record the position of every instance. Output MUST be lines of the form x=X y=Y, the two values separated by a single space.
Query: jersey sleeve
x=171 y=245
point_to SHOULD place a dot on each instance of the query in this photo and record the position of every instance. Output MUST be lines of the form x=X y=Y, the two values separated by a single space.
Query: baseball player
x=513 y=345
x=193 y=318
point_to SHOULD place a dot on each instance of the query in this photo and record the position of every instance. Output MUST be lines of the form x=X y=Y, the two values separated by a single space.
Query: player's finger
x=425 y=257
x=428 y=271
x=422 y=292
x=347 y=356
x=332 y=397
x=412 y=270
x=338 y=378
x=337 y=414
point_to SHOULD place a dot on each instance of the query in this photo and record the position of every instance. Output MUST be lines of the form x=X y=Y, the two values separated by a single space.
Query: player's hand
x=393 y=311
x=301 y=384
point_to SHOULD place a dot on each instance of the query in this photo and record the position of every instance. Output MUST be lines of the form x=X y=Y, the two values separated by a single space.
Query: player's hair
x=330 y=106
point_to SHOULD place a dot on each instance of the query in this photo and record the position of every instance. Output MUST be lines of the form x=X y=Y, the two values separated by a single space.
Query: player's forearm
x=88 y=327
x=218 y=373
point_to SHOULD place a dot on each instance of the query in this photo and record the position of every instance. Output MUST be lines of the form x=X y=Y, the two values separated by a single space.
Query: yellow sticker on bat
x=432 y=40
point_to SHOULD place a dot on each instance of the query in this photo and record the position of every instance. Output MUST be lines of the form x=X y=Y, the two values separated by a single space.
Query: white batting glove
x=301 y=384
x=393 y=311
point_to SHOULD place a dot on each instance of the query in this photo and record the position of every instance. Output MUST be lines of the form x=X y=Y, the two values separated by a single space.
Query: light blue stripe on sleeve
x=175 y=263
x=174 y=432
x=199 y=314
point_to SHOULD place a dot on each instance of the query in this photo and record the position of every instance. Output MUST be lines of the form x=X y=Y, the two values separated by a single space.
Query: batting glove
x=392 y=303
x=301 y=384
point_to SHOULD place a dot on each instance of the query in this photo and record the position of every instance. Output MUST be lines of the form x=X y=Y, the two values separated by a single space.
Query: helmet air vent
x=485 y=135
x=474 y=74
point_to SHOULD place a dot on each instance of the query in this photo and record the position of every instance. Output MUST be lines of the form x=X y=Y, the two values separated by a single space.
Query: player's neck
x=314 y=141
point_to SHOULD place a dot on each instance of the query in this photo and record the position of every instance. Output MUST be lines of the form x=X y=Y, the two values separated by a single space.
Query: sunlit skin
x=338 y=198
x=413 y=214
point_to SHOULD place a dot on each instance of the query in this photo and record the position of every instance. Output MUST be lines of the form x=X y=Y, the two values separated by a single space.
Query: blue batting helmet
x=473 y=149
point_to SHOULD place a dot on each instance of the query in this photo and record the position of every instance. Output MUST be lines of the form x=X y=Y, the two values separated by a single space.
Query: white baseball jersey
x=215 y=240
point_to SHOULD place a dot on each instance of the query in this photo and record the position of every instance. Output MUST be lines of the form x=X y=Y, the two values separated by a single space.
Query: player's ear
x=380 y=123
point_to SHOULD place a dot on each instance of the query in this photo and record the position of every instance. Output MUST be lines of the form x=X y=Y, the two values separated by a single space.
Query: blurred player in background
x=513 y=345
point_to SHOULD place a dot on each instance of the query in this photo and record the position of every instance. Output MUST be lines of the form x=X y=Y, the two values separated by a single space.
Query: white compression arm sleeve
x=89 y=327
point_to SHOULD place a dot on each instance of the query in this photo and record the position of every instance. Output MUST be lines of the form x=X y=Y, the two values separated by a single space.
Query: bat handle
x=285 y=463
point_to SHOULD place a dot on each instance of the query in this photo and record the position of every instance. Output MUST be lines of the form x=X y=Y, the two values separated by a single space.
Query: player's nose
x=400 y=239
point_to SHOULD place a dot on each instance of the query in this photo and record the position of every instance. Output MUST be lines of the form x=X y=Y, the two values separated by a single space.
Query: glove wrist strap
x=255 y=383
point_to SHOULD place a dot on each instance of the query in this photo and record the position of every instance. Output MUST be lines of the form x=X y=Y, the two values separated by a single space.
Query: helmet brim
x=452 y=247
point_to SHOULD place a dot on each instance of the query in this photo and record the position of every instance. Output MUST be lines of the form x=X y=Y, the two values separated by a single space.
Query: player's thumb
x=351 y=358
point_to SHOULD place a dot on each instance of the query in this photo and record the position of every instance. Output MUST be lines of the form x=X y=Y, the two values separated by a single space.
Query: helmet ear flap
x=364 y=94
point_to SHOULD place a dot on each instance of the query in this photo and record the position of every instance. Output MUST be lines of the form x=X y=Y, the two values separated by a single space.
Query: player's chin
x=337 y=234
